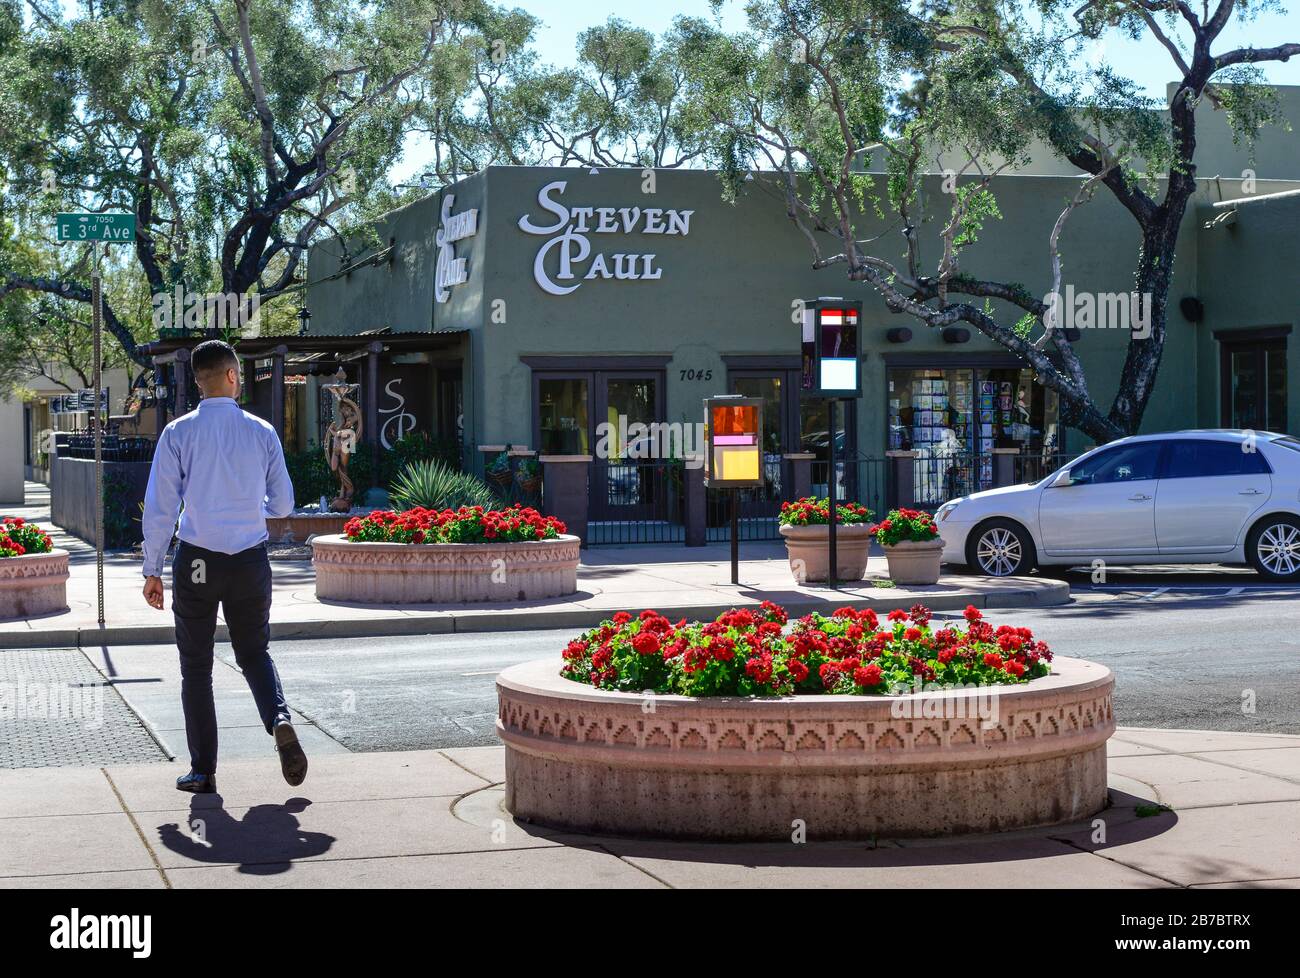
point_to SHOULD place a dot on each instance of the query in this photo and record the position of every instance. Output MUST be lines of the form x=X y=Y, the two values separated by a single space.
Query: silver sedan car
x=1182 y=497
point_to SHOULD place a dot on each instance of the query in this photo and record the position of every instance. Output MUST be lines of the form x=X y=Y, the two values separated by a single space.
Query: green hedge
x=310 y=470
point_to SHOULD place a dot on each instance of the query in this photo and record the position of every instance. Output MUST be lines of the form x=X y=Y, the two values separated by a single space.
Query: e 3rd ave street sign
x=95 y=227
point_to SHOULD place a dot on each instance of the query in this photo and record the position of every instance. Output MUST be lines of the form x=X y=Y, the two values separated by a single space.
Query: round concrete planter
x=810 y=556
x=34 y=584
x=913 y=562
x=849 y=767
x=403 y=573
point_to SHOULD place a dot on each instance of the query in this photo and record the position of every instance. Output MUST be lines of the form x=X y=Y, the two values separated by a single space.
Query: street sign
x=113 y=228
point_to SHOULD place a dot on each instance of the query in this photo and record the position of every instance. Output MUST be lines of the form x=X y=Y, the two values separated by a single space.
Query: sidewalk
x=435 y=818
x=692 y=582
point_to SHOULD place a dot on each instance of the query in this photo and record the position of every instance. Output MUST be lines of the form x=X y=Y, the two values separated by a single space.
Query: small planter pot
x=444 y=573
x=912 y=562
x=34 y=584
x=809 y=550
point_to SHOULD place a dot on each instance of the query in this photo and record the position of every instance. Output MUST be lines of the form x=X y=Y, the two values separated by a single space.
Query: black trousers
x=241 y=584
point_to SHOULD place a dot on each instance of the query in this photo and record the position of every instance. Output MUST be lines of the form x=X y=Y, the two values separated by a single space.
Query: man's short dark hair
x=212 y=357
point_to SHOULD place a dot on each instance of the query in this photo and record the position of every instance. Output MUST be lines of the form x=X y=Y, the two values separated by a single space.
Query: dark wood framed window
x=1253 y=378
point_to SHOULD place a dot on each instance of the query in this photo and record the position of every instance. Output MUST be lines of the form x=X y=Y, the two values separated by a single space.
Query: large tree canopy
x=815 y=87
x=235 y=131
x=240 y=131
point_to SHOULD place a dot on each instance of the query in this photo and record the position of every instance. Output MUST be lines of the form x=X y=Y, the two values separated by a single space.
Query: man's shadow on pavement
x=264 y=842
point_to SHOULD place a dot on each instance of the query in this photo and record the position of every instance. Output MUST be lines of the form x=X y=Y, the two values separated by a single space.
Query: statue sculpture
x=342 y=436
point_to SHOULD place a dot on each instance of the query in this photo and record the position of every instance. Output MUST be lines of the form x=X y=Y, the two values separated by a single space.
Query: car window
x=1127 y=463
x=1286 y=441
x=1192 y=459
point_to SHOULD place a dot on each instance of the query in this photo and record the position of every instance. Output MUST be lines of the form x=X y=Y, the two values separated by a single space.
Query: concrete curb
x=1040 y=594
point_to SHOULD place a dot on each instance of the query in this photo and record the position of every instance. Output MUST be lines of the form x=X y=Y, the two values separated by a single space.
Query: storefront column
x=564 y=490
x=180 y=372
x=370 y=398
x=697 y=503
x=800 y=474
x=1004 y=467
x=160 y=377
x=277 y=390
x=901 y=477
x=248 y=378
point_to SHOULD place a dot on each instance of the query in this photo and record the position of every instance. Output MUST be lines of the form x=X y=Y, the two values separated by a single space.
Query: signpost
x=830 y=371
x=109 y=229
x=734 y=455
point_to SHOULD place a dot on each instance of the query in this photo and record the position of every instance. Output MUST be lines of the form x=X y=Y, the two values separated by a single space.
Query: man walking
x=222 y=471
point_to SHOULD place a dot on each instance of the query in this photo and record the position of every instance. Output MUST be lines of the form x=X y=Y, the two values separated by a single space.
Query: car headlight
x=944 y=511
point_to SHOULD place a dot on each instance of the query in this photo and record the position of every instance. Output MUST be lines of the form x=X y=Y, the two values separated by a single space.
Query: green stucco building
x=573 y=296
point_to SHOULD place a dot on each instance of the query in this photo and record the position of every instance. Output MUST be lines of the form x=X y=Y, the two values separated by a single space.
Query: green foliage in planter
x=434 y=485
x=310 y=471
x=122 y=512
x=418 y=446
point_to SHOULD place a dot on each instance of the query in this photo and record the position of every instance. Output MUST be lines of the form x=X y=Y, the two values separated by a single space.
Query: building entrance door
x=1254 y=383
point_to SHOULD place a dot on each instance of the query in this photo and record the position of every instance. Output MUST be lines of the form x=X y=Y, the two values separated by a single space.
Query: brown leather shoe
x=293 y=760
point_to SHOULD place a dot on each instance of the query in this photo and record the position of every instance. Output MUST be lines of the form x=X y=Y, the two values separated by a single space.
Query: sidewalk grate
x=56 y=710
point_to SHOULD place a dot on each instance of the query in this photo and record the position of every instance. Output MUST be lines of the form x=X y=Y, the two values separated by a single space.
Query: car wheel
x=1001 y=548
x=1273 y=548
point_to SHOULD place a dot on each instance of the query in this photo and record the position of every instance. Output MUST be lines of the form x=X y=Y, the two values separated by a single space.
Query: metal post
x=97 y=289
x=735 y=536
x=831 y=494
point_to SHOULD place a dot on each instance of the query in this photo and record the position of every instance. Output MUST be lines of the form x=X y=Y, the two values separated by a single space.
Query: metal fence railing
x=758 y=508
x=637 y=501
x=1032 y=468
x=115 y=449
x=862 y=479
x=644 y=501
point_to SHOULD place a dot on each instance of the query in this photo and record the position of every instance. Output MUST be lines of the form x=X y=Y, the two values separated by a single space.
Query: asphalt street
x=1193 y=655
x=1190 y=650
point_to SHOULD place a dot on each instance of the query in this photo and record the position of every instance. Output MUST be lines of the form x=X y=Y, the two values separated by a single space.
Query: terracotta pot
x=810 y=554
x=917 y=764
x=33 y=584
x=912 y=562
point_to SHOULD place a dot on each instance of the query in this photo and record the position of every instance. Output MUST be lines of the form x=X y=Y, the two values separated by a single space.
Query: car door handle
x=1250 y=492
x=1140 y=497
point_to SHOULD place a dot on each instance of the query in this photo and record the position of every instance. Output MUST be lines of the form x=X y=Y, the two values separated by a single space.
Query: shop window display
x=954 y=418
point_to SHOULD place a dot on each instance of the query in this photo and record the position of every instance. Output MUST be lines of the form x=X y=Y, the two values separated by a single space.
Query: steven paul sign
x=569 y=240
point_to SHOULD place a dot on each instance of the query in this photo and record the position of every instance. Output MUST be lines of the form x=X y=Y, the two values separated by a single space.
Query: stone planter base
x=301 y=528
x=911 y=562
x=34 y=584
x=809 y=551
x=444 y=573
x=849 y=767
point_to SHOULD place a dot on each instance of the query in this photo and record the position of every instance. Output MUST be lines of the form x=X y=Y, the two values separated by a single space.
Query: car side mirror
x=1062 y=479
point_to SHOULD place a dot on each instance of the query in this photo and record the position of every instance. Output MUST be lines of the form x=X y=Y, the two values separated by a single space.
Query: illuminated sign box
x=829 y=348
x=734 y=457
